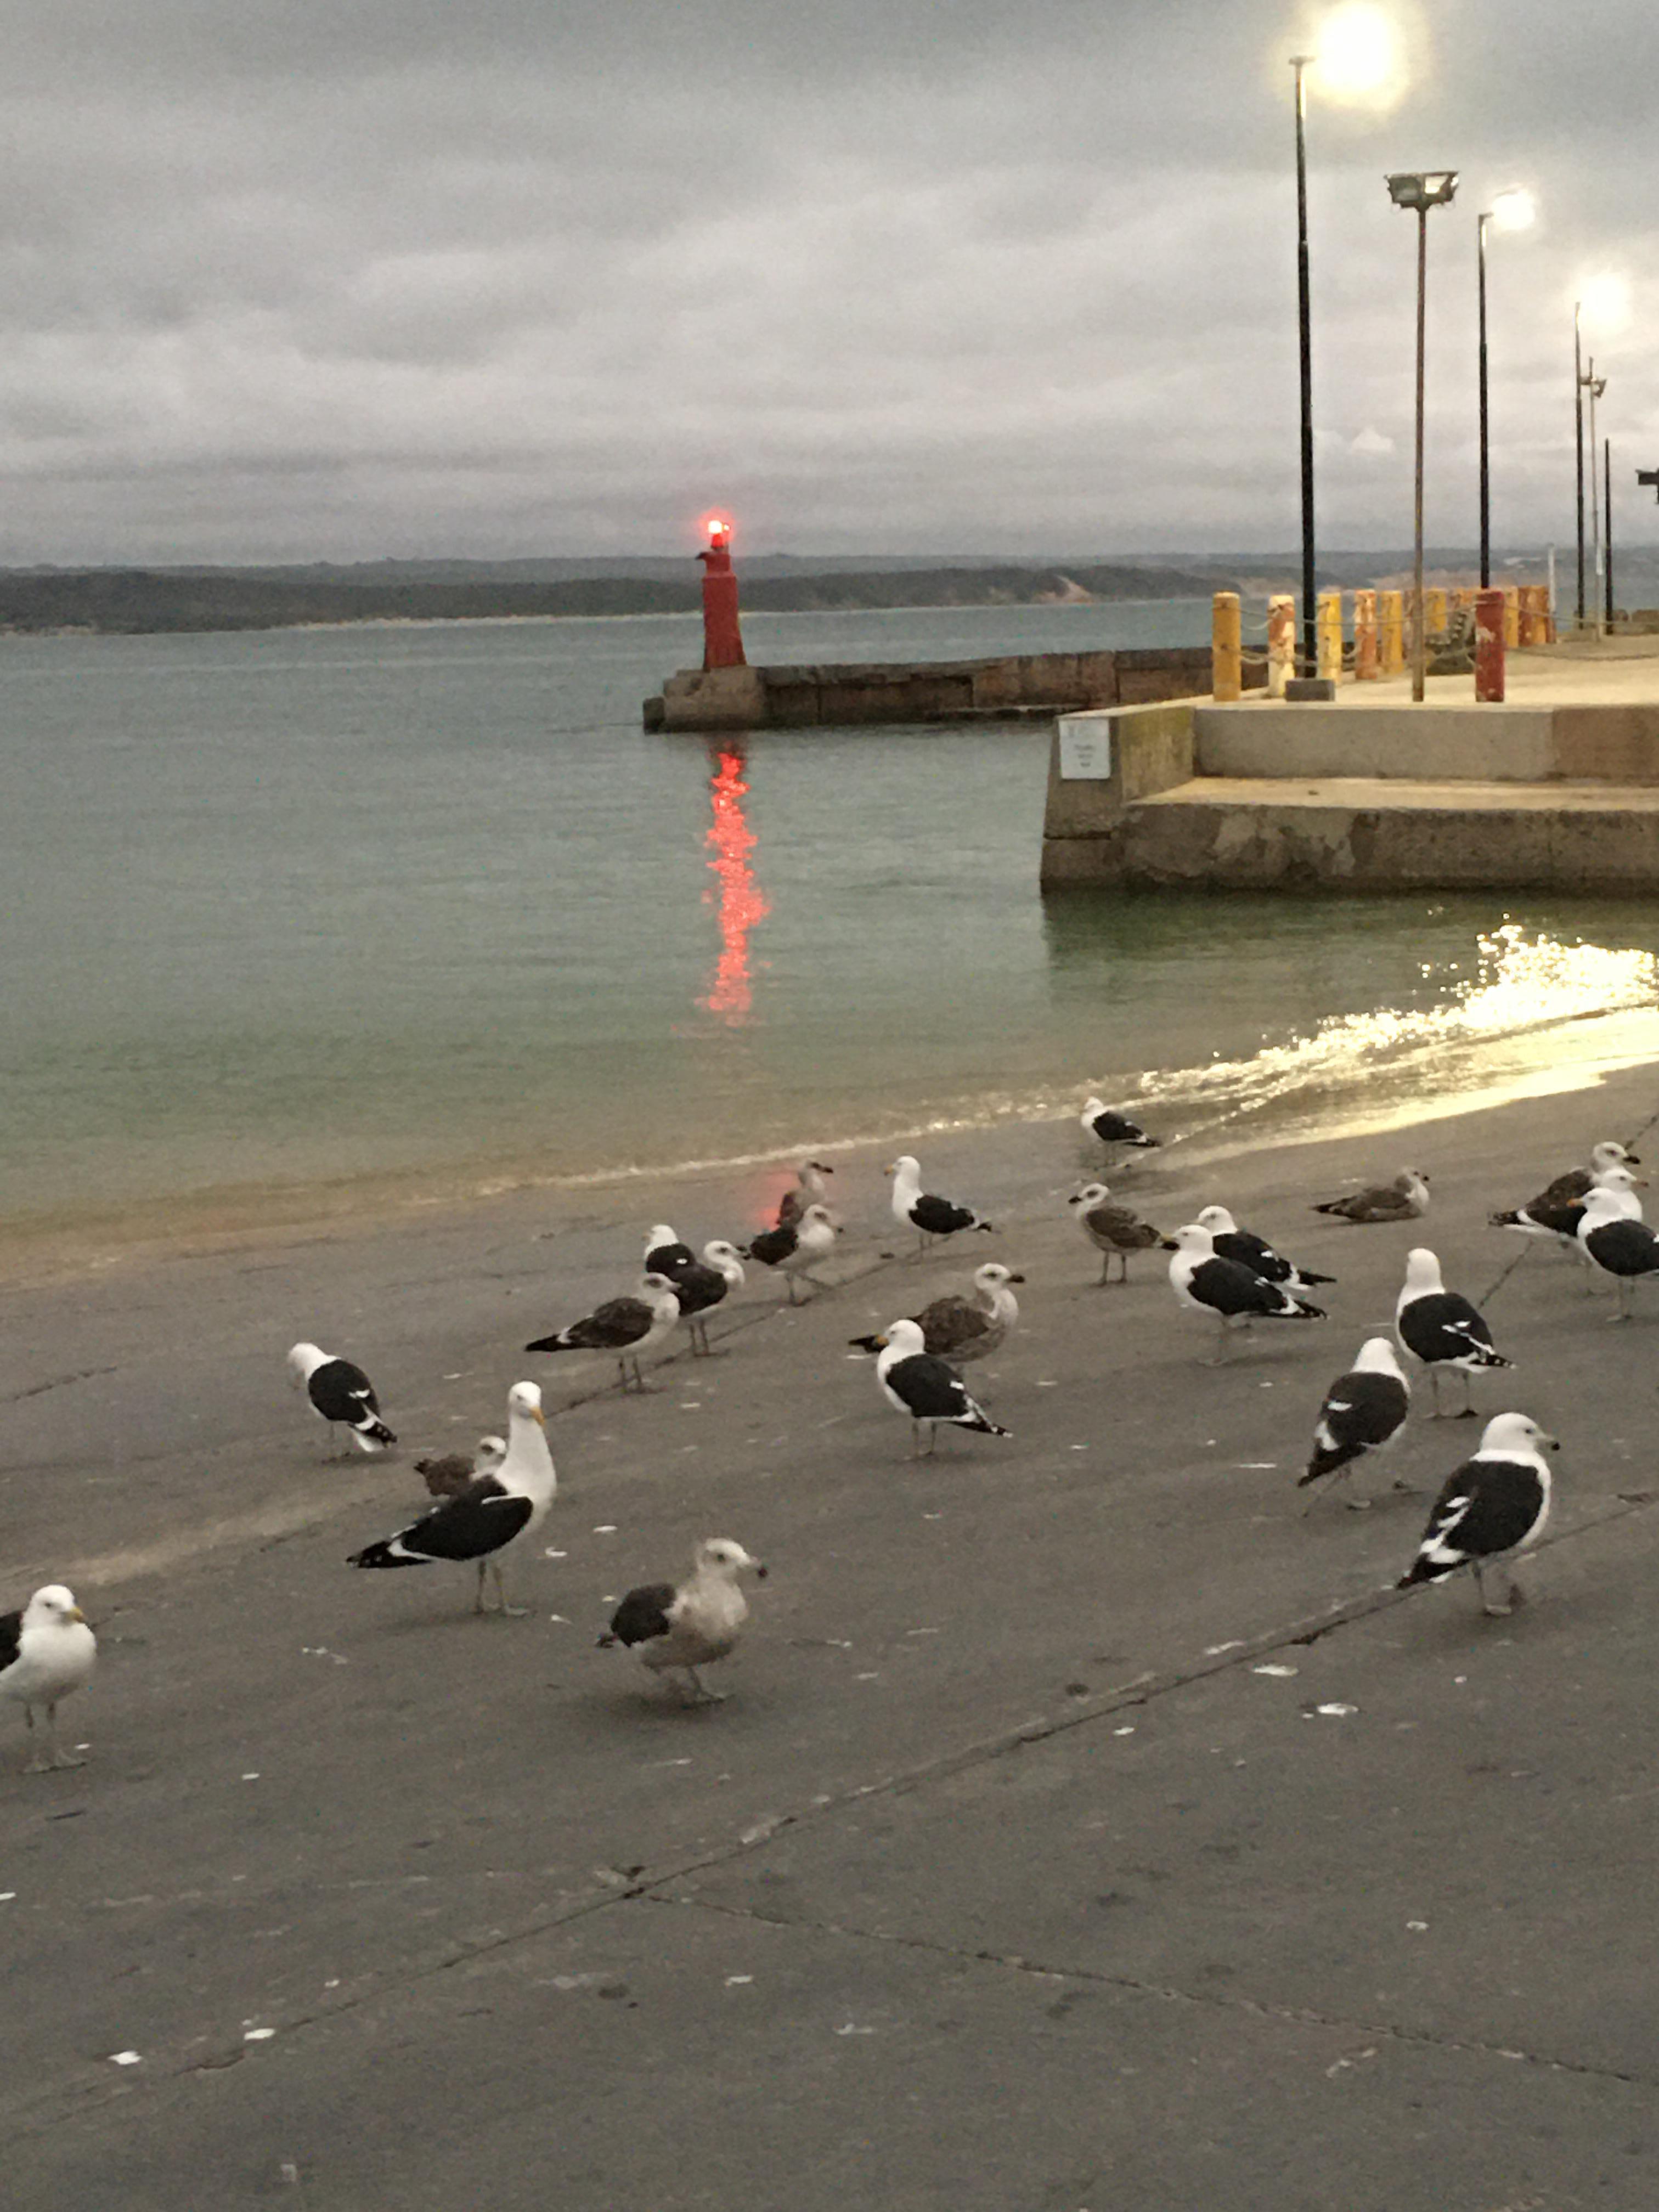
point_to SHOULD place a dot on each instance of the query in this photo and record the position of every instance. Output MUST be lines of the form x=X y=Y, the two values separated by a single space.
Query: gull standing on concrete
x=965 y=1328
x=1405 y=1199
x=1577 y=1182
x=341 y=1395
x=47 y=1652
x=1441 y=1329
x=1224 y=1288
x=449 y=1474
x=1623 y=1249
x=1232 y=1243
x=913 y=1382
x=930 y=1217
x=810 y=1190
x=1099 y=1120
x=700 y=1284
x=791 y=1250
x=1559 y=1221
x=1111 y=1228
x=1495 y=1506
x=495 y=1510
x=693 y=1625
x=630 y=1327
x=1365 y=1411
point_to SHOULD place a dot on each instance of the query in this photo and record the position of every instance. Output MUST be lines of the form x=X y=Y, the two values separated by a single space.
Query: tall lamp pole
x=1595 y=385
x=1300 y=63
x=1419 y=191
x=1578 y=438
x=1512 y=210
x=1606 y=509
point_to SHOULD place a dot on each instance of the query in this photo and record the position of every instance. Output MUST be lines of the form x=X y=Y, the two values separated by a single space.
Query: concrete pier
x=830 y=694
x=1558 y=789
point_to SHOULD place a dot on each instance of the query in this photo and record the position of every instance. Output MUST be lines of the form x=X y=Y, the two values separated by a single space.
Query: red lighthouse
x=722 y=637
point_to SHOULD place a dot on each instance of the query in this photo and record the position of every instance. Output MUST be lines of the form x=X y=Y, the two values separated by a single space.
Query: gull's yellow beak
x=75 y=1614
x=537 y=1414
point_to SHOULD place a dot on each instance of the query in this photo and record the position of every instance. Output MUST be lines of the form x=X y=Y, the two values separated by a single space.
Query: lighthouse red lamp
x=722 y=637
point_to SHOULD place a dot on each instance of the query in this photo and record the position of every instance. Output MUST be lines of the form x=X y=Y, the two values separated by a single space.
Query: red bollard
x=1489 y=648
x=722 y=638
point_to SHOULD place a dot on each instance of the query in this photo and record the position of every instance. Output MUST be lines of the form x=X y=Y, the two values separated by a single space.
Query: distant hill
x=131 y=601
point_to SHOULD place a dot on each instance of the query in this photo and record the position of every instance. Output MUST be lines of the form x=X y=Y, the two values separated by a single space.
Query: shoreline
x=53 y=1250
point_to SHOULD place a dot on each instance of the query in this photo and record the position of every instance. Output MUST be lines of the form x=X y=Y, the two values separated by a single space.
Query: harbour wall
x=830 y=694
x=1562 y=798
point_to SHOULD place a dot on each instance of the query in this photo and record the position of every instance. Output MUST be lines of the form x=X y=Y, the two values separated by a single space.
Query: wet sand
x=1004 y=1879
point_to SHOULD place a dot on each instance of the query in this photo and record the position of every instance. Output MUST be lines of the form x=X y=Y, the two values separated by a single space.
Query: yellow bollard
x=1226 y=647
x=1434 y=616
x=1535 y=599
x=1462 y=599
x=1511 y=617
x=1281 y=643
x=1392 y=625
x=1366 y=667
x=1329 y=632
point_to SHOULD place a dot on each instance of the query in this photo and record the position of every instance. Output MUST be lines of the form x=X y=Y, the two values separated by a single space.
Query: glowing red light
x=742 y=902
x=719 y=530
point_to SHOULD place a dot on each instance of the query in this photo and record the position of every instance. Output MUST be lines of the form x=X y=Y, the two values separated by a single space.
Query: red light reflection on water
x=742 y=902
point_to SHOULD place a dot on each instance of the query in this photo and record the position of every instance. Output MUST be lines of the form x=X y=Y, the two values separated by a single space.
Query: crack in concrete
x=55 y=2105
x=1251 y=2007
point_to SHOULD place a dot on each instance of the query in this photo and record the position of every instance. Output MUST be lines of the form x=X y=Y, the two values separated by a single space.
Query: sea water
x=310 y=921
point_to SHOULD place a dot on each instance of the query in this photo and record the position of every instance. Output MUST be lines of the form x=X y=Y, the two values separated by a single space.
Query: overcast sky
x=394 y=277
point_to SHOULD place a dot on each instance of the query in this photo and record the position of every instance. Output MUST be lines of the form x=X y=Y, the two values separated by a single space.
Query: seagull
x=912 y=1382
x=1577 y=1182
x=1560 y=1220
x=628 y=1327
x=1099 y=1121
x=1365 y=1411
x=1441 y=1329
x=491 y=1513
x=46 y=1652
x=449 y=1474
x=918 y=1209
x=341 y=1394
x=1494 y=1506
x=809 y=1191
x=699 y=1285
x=694 y=1625
x=1623 y=1249
x=1204 y=1284
x=665 y=1254
x=965 y=1328
x=1111 y=1229
x=792 y=1250
x=1403 y=1199
x=1232 y=1243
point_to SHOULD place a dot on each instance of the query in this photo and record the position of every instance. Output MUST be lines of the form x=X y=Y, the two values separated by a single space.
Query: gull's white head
x=654 y=1288
x=1616 y=1178
x=1218 y=1221
x=720 y=1555
x=724 y=1259
x=1376 y=1356
x=819 y=1215
x=303 y=1362
x=1192 y=1237
x=903 y=1337
x=993 y=1276
x=1090 y=1194
x=1607 y=1154
x=906 y=1167
x=1604 y=1206
x=662 y=1234
x=524 y=1403
x=1516 y=1434
x=491 y=1451
x=1422 y=1270
x=53 y=1604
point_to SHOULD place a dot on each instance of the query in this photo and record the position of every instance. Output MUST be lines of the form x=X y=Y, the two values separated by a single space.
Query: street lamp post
x=1578 y=438
x=1595 y=385
x=1510 y=210
x=1419 y=191
x=1300 y=63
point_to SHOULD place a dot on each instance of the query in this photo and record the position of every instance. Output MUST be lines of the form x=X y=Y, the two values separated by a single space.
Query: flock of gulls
x=1492 y=1508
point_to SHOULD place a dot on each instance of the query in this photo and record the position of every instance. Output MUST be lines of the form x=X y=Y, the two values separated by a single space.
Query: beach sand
x=1005 y=1878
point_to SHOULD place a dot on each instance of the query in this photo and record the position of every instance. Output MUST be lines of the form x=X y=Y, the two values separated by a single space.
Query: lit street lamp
x=1510 y=210
x=1419 y=191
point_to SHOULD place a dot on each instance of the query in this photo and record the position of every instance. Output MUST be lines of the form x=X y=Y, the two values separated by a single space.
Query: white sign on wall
x=1085 y=747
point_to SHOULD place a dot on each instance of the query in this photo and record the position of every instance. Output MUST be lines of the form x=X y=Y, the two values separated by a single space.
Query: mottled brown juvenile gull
x=630 y=1327
x=1111 y=1228
x=693 y=1624
x=961 y=1329
x=1405 y=1199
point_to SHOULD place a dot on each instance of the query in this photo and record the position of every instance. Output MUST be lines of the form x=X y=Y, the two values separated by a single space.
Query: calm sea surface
x=423 y=909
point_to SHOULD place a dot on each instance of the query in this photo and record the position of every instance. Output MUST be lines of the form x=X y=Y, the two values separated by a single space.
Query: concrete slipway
x=1557 y=789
